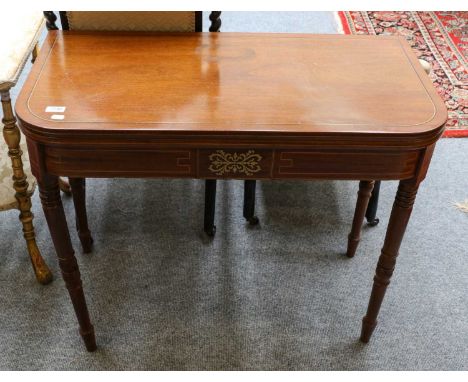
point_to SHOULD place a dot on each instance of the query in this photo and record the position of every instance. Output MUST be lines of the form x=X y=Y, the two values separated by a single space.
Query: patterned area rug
x=440 y=38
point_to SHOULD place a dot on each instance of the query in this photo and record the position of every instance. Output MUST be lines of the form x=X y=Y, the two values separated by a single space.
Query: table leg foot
x=399 y=218
x=367 y=330
x=55 y=216
x=364 y=194
x=89 y=339
x=86 y=243
x=78 y=186
x=352 y=246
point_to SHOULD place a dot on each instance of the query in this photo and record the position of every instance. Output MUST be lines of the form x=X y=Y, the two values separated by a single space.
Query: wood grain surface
x=230 y=82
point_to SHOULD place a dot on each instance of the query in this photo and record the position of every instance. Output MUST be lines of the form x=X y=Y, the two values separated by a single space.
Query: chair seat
x=21 y=32
x=7 y=192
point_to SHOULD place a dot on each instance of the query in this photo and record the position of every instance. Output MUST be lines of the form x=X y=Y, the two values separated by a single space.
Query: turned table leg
x=364 y=194
x=78 y=186
x=249 y=202
x=399 y=218
x=12 y=137
x=55 y=216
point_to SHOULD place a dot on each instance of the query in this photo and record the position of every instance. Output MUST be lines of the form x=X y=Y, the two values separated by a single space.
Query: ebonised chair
x=249 y=203
x=186 y=21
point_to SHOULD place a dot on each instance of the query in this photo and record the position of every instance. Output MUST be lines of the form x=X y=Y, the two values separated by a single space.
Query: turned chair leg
x=55 y=216
x=12 y=137
x=249 y=202
x=78 y=188
x=371 y=211
x=210 y=205
x=364 y=194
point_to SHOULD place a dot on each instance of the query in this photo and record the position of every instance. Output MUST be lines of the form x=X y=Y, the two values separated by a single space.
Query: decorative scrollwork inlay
x=243 y=163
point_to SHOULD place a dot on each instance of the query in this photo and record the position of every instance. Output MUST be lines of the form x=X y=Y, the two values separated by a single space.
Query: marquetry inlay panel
x=235 y=163
x=223 y=163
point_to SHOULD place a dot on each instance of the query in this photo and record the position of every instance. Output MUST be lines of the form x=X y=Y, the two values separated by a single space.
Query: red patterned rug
x=440 y=38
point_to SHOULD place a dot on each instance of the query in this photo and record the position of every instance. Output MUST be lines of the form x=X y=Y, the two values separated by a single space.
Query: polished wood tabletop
x=229 y=105
x=226 y=82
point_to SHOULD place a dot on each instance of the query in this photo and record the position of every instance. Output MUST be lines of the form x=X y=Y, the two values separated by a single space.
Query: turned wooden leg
x=55 y=216
x=78 y=186
x=210 y=204
x=371 y=211
x=249 y=202
x=399 y=218
x=12 y=137
x=364 y=194
x=215 y=21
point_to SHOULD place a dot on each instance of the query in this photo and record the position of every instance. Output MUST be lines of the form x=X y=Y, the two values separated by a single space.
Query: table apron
x=233 y=163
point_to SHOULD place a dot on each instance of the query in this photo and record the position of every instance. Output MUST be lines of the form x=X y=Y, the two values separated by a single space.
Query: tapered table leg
x=249 y=202
x=399 y=218
x=78 y=186
x=55 y=216
x=364 y=194
x=210 y=205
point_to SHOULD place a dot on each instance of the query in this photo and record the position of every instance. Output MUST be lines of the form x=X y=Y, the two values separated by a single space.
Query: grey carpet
x=277 y=296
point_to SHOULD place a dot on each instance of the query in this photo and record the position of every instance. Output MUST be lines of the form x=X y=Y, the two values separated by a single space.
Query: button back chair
x=184 y=21
x=16 y=181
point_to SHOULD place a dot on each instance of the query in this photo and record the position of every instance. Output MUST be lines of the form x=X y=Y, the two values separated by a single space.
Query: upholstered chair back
x=183 y=21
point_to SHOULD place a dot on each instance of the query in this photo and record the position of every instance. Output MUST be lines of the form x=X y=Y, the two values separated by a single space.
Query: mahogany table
x=230 y=105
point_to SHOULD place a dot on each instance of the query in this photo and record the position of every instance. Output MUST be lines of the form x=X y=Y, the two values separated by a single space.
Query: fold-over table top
x=229 y=82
